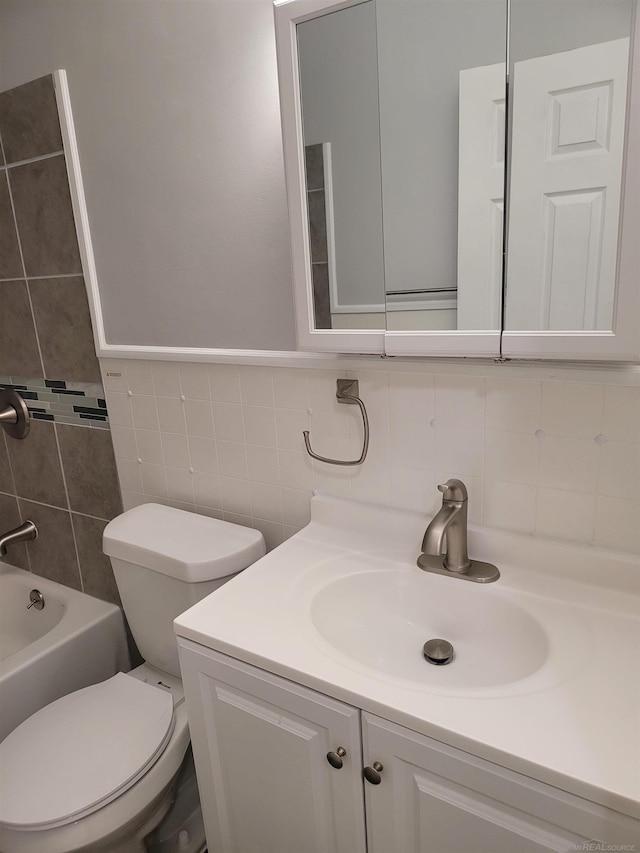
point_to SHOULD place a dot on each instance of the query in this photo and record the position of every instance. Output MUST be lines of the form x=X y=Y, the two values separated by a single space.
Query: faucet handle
x=453 y=490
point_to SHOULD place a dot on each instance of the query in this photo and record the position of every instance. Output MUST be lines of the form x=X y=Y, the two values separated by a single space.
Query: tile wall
x=548 y=457
x=63 y=475
x=317 y=217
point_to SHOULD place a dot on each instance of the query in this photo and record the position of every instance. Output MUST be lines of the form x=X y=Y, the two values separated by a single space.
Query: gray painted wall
x=177 y=117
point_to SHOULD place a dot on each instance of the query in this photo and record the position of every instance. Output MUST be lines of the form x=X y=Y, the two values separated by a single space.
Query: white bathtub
x=74 y=641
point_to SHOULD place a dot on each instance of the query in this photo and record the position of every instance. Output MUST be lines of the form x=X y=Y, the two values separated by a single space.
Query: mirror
x=568 y=92
x=402 y=107
x=341 y=128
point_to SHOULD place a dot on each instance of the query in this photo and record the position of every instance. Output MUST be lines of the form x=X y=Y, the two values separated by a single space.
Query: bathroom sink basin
x=382 y=619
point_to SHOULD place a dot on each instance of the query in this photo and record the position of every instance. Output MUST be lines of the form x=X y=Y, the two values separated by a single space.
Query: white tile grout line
x=42 y=277
x=7 y=166
x=24 y=271
x=15 y=490
x=66 y=492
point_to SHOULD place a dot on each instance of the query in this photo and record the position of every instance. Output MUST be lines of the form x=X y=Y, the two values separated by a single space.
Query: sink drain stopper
x=438 y=652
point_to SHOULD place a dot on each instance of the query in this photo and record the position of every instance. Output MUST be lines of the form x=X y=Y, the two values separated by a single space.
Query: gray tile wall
x=63 y=475
x=317 y=214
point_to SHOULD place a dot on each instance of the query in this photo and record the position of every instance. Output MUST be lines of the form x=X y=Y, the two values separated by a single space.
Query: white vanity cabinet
x=435 y=799
x=266 y=785
x=260 y=745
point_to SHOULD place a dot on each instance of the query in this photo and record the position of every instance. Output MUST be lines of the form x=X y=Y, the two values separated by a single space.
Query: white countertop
x=574 y=724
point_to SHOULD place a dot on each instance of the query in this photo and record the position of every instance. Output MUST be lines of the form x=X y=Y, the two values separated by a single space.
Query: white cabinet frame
x=288 y=14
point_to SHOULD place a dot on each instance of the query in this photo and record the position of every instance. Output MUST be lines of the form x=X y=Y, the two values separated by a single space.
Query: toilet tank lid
x=183 y=545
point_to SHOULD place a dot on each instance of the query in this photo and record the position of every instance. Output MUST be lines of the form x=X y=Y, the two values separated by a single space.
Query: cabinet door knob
x=372 y=774
x=335 y=758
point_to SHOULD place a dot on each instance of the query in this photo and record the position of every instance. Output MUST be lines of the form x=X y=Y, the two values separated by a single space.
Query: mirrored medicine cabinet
x=407 y=123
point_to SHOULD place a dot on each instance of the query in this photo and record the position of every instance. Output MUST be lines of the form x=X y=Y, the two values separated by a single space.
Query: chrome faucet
x=450 y=525
x=22 y=533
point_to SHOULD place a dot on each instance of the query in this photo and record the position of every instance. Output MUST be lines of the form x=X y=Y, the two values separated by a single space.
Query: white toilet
x=97 y=769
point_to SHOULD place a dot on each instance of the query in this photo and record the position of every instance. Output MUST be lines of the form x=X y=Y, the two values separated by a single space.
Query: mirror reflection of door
x=568 y=142
x=481 y=196
x=568 y=96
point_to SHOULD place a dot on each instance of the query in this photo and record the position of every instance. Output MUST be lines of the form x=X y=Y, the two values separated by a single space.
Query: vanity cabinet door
x=260 y=746
x=435 y=799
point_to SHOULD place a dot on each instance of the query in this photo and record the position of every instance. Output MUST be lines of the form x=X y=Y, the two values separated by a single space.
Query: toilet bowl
x=96 y=770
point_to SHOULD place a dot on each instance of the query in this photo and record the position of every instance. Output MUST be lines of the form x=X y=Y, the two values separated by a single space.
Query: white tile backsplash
x=460 y=401
x=256 y=386
x=262 y=464
x=621 y=418
x=291 y=388
x=199 y=418
x=513 y=404
x=296 y=471
x=149 y=446
x=119 y=403
x=203 y=454
x=617 y=524
x=569 y=463
x=510 y=505
x=232 y=459
x=207 y=489
x=411 y=413
x=140 y=378
x=124 y=442
x=228 y=422
x=566 y=515
x=166 y=379
x=224 y=383
x=175 y=450
x=260 y=425
x=619 y=473
x=552 y=458
x=572 y=409
x=171 y=414
x=180 y=485
x=143 y=409
x=154 y=480
x=236 y=496
x=511 y=457
x=194 y=381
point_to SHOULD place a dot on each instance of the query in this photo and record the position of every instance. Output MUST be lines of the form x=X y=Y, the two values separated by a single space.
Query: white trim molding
x=76 y=187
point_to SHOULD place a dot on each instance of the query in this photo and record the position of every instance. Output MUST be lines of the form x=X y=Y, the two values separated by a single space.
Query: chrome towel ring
x=348 y=391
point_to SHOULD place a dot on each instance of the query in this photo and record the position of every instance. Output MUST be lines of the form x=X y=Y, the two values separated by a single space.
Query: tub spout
x=23 y=533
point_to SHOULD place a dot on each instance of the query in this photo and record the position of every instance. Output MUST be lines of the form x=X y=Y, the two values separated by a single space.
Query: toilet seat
x=82 y=751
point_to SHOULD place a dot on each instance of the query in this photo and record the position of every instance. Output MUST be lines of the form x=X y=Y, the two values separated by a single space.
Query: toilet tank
x=164 y=561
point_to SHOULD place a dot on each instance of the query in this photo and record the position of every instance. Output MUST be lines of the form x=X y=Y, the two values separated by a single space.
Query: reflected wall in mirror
x=403 y=124
x=568 y=91
x=442 y=94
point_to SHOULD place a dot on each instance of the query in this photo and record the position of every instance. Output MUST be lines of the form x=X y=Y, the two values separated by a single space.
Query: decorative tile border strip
x=78 y=403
